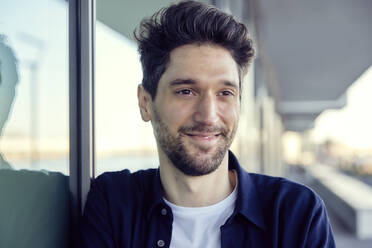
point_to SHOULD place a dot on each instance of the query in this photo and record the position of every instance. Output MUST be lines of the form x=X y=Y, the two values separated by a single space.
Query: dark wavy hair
x=188 y=22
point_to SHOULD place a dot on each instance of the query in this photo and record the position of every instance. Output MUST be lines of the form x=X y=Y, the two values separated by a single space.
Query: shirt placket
x=161 y=227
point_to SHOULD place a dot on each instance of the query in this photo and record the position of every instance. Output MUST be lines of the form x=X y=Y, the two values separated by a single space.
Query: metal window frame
x=81 y=104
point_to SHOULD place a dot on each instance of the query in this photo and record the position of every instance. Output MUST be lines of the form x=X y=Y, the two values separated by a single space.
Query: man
x=194 y=57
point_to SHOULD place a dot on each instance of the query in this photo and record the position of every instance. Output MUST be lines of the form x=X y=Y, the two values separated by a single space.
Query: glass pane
x=123 y=140
x=34 y=123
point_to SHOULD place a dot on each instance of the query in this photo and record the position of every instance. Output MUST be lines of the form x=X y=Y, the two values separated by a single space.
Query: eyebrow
x=231 y=84
x=181 y=82
x=192 y=82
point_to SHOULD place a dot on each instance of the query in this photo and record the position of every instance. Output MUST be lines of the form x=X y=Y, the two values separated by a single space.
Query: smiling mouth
x=203 y=137
x=203 y=134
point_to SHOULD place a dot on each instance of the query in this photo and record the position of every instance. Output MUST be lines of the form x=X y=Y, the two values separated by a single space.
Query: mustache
x=204 y=129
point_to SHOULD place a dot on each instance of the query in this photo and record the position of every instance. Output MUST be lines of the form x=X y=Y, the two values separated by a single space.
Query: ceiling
x=124 y=15
x=315 y=50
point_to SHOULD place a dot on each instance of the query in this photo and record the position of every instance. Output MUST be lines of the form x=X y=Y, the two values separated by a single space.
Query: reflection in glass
x=35 y=135
x=33 y=124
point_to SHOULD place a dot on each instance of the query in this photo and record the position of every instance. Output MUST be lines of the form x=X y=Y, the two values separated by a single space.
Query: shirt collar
x=248 y=202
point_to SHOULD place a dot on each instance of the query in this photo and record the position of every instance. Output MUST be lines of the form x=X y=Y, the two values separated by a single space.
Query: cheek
x=230 y=113
x=176 y=115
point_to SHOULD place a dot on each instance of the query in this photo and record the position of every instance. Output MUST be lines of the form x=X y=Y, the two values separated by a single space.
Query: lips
x=204 y=139
x=202 y=134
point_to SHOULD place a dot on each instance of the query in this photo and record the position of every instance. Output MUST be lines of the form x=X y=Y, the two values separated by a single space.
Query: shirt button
x=160 y=243
x=164 y=211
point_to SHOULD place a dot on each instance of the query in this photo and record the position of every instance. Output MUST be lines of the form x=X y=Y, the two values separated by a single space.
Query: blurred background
x=305 y=107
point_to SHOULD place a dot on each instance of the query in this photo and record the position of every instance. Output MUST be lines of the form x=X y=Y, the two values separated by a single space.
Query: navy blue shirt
x=126 y=209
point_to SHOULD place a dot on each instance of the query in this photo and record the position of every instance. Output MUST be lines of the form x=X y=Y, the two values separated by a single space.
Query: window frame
x=81 y=104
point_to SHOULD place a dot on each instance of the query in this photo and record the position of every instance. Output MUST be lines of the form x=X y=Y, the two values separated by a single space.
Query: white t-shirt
x=200 y=226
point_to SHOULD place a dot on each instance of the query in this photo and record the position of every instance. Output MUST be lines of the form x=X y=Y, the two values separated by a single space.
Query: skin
x=199 y=88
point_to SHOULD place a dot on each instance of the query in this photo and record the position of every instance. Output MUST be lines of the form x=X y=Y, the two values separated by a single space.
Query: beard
x=196 y=164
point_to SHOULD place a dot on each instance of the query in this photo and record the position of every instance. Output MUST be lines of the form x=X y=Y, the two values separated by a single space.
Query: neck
x=196 y=191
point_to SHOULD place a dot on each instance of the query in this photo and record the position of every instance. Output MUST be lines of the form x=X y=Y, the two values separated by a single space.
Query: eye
x=184 y=92
x=226 y=93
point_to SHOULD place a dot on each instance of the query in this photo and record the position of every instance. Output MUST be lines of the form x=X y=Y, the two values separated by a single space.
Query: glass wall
x=34 y=123
x=123 y=140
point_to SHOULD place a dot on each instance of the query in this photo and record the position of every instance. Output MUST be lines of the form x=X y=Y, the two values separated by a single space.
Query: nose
x=207 y=110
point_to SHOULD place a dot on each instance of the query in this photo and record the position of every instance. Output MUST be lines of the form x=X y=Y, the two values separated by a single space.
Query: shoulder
x=285 y=193
x=124 y=177
x=123 y=182
x=294 y=211
x=34 y=179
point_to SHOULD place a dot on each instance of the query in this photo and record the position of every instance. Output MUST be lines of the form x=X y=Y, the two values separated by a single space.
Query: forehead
x=202 y=63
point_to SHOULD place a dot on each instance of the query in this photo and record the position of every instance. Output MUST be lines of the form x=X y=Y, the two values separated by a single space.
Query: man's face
x=196 y=110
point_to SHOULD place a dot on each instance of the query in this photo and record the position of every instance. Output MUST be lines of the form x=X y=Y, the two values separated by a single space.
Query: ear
x=144 y=103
